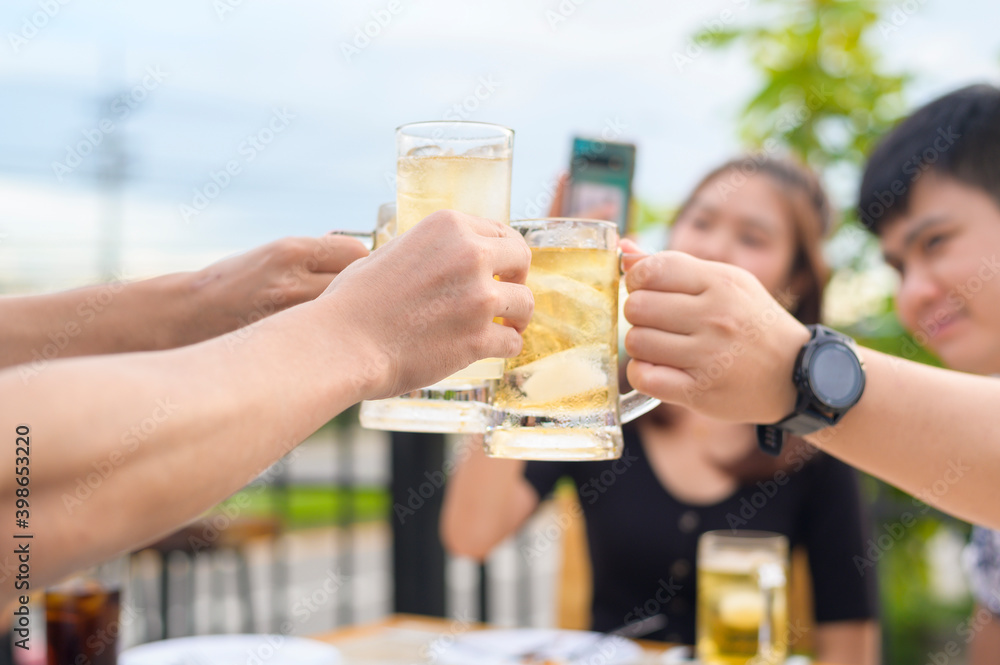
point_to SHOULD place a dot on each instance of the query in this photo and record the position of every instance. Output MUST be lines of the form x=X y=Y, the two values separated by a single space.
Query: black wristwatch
x=830 y=377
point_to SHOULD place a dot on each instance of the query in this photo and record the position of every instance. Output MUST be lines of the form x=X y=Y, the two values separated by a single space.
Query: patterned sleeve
x=982 y=566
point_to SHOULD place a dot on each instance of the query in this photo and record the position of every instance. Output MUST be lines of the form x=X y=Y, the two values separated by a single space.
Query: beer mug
x=451 y=406
x=558 y=399
x=742 y=605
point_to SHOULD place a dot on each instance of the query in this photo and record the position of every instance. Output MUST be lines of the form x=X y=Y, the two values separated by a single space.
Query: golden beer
x=565 y=378
x=739 y=619
x=474 y=185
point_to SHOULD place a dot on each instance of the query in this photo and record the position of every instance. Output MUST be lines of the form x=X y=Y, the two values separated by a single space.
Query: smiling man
x=935 y=184
x=710 y=337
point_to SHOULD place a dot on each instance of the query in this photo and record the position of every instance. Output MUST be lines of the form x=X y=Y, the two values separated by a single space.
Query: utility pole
x=112 y=171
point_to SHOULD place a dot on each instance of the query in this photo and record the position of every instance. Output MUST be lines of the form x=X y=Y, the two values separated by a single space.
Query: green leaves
x=821 y=69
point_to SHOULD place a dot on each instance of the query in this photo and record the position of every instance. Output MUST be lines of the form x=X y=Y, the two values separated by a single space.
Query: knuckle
x=638 y=378
x=513 y=343
x=635 y=305
x=730 y=277
x=525 y=262
x=445 y=218
x=633 y=343
x=472 y=258
x=487 y=302
x=639 y=276
x=529 y=300
x=480 y=344
x=724 y=323
x=287 y=250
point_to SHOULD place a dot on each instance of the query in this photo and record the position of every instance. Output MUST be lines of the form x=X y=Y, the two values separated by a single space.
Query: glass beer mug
x=742 y=605
x=464 y=166
x=558 y=399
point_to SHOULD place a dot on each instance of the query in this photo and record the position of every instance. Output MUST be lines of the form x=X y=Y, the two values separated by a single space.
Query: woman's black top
x=643 y=540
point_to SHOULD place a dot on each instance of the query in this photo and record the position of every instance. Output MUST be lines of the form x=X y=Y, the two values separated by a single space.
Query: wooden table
x=410 y=639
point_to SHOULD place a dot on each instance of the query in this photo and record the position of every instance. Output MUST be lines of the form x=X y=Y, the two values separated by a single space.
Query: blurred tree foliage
x=826 y=97
x=825 y=94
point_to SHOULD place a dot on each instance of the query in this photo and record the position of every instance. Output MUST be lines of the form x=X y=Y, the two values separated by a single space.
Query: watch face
x=835 y=375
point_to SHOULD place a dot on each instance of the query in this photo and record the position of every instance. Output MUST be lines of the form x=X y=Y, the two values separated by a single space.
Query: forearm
x=171 y=434
x=931 y=432
x=109 y=318
x=849 y=642
x=486 y=500
x=984 y=646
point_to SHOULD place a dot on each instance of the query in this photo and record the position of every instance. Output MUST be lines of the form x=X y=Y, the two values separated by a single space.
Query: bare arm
x=179 y=430
x=708 y=336
x=932 y=432
x=984 y=648
x=486 y=500
x=849 y=642
x=169 y=311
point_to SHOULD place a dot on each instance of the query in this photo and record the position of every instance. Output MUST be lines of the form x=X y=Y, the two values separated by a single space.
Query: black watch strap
x=771 y=438
x=808 y=416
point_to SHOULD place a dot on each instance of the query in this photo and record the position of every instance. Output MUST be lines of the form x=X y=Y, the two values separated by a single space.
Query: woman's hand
x=708 y=336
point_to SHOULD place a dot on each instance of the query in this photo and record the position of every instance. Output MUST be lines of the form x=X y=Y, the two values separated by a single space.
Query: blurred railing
x=341 y=531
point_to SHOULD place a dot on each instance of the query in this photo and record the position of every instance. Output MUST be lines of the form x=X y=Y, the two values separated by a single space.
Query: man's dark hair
x=957 y=136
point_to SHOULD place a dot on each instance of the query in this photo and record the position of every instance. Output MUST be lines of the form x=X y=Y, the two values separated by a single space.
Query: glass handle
x=770 y=578
x=634 y=404
x=367 y=238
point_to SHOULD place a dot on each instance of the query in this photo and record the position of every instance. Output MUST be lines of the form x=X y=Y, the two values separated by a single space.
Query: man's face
x=946 y=249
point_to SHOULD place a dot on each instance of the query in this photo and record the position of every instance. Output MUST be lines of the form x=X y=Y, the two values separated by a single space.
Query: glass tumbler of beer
x=742 y=600
x=463 y=166
x=558 y=399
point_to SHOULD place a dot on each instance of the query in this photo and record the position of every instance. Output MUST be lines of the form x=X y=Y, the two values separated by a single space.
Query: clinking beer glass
x=463 y=166
x=558 y=399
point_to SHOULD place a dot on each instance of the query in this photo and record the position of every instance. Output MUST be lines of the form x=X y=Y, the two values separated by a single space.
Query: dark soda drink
x=82 y=624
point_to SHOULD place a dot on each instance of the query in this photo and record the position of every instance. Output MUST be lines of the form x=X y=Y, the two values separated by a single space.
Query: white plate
x=232 y=650
x=505 y=647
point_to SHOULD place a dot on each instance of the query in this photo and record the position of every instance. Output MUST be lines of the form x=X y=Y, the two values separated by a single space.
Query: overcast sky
x=202 y=84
